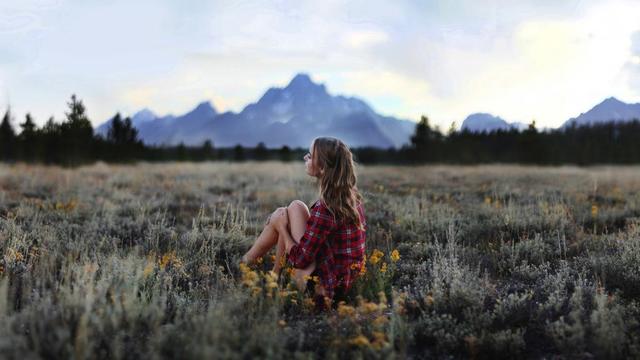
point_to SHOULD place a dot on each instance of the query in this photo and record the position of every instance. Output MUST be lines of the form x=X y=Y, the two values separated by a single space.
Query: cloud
x=544 y=59
x=632 y=67
x=365 y=39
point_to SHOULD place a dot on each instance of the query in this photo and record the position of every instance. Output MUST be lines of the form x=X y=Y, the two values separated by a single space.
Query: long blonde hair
x=337 y=181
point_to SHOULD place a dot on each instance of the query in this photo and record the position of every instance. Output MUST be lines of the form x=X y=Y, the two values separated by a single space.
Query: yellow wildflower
x=376 y=256
x=148 y=269
x=368 y=307
x=380 y=340
x=345 y=310
x=429 y=300
x=271 y=279
x=308 y=303
x=487 y=200
x=360 y=340
x=19 y=256
x=395 y=255
x=363 y=265
x=380 y=320
x=594 y=210
x=383 y=269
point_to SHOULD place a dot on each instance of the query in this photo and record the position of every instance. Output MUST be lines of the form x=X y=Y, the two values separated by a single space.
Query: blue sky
x=521 y=60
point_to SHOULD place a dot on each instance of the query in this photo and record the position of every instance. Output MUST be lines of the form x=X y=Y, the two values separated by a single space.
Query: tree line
x=73 y=142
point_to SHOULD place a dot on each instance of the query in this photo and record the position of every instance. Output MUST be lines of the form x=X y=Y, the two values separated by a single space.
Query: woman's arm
x=281 y=222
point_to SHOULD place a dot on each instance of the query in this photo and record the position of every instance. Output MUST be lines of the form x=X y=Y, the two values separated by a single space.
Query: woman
x=329 y=239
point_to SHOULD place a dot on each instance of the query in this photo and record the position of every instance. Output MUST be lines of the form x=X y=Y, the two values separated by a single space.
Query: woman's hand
x=280 y=219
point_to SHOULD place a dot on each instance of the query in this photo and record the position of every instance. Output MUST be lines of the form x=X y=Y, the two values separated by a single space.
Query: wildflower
x=383 y=269
x=368 y=307
x=34 y=251
x=271 y=279
x=429 y=300
x=166 y=259
x=380 y=340
x=148 y=269
x=345 y=310
x=594 y=210
x=282 y=323
x=399 y=303
x=487 y=200
x=363 y=265
x=395 y=255
x=291 y=271
x=376 y=256
x=382 y=297
x=360 y=340
x=308 y=303
x=380 y=320
x=249 y=277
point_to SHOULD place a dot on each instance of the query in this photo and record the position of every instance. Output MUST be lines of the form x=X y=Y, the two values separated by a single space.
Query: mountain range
x=292 y=116
x=609 y=110
x=303 y=110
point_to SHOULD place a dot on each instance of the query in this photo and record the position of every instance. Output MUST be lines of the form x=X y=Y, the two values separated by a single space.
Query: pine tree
x=7 y=137
x=28 y=138
x=52 y=141
x=115 y=129
x=423 y=141
x=77 y=133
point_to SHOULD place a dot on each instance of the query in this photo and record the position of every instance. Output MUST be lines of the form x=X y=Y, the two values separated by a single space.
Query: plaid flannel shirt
x=336 y=247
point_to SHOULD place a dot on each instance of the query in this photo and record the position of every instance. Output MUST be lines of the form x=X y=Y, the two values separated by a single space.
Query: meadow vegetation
x=492 y=261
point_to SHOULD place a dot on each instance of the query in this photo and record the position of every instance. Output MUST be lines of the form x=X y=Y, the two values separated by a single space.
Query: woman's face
x=312 y=169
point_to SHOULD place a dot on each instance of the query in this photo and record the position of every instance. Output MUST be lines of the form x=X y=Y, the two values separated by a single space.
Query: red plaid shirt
x=336 y=247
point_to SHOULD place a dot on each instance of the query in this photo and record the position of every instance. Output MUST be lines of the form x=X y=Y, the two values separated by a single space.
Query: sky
x=544 y=60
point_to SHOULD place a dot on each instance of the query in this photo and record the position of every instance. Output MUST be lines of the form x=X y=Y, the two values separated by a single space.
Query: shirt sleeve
x=319 y=225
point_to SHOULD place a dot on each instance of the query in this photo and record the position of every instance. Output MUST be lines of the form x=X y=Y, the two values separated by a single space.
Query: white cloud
x=365 y=39
x=520 y=60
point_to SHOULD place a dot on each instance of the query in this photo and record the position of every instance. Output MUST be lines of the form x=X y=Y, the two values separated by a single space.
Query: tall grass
x=493 y=261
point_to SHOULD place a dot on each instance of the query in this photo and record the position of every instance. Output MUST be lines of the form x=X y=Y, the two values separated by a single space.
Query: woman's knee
x=298 y=205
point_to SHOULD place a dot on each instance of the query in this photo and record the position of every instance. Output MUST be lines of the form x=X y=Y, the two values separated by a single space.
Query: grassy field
x=494 y=262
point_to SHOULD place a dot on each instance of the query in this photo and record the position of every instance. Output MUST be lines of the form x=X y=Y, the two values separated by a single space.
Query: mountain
x=293 y=116
x=169 y=129
x=483 y=122
x=611 y=109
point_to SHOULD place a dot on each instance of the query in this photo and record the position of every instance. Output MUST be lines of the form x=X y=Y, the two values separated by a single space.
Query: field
x=496 y=261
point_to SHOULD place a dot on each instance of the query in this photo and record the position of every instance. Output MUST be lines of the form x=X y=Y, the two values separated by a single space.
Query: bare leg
x=280 y=255
x=298 y=214
x=265 y=241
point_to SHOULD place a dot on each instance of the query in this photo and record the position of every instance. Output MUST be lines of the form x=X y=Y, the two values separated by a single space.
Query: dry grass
x=110 y=261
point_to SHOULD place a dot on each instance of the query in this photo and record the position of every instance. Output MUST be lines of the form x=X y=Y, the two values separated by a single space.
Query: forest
x=73 y=142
